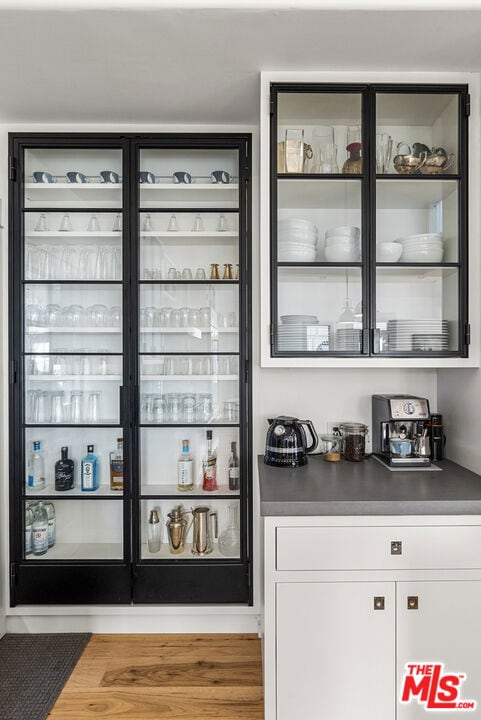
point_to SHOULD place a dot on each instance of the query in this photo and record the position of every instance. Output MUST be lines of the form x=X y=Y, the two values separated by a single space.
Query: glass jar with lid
x=354 y=435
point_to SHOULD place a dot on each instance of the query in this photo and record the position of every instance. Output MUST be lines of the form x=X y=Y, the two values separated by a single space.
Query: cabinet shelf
x=189 y=378
x=74 y=378
x=77 y=330
x=295 y=265
x=150 y=492
x=417 y=176
x=86 y=234
x=186 y=187
x=80 y=551
x=165 y=554
x=50 y=187
x=319 y=176
x=49 y=492
x=198 y=332
x=214 y=423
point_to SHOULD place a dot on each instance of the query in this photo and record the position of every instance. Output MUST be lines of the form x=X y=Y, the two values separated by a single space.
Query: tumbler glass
x=94 y=410
x=76 y=406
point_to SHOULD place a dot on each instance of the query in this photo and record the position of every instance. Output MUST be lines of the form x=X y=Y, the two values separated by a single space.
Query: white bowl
x=298 y=223
x=427 y=256
x=301 y=253
x=300 y=238
x=347 y=230
x=340 y=253
x=423 y=237
x=388 y=252
x=342 y=240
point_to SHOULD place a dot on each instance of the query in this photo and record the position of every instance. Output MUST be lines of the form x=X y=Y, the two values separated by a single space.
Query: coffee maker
x=400 y=430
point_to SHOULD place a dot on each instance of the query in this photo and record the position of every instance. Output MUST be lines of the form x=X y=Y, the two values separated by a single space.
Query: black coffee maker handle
x=315 y=439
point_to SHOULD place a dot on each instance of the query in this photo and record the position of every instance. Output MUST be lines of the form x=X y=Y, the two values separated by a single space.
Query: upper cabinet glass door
x=368 y=220
x=318 y=231
x=420 y=221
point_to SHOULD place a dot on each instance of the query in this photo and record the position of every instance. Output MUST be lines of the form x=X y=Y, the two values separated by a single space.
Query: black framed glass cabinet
x=368 y=220
x=129 y=368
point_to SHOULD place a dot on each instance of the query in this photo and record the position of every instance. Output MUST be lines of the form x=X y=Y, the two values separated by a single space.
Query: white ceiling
x=192 y=65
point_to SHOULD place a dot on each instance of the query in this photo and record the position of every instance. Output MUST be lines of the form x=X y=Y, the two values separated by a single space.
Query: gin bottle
x=36 y=468
x=40 y=530
x=89 y=471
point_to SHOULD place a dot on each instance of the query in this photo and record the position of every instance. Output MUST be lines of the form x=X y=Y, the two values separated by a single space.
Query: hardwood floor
x=150 y=677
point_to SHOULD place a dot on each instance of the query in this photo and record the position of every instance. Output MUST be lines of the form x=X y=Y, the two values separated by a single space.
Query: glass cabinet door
x=192 y=495
x=420 y=221
x=68 y=266
x=369 y=220
x=318 y=239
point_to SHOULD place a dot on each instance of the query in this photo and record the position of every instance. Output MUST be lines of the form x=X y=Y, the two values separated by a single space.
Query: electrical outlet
x=331 y=425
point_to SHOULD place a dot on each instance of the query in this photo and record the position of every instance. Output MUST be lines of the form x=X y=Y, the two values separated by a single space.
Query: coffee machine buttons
x=409 y=408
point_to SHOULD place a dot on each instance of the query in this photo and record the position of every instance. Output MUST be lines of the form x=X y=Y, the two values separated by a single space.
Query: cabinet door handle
x=413 y=602
x=396 y=547
x=379 y=602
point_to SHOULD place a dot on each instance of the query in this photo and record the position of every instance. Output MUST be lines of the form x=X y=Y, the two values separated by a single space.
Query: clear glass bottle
x=40 y=530
x=229 y=539
x=185 y=468
x=234 y=468
x=117 y=466
x=52 y=527
x=36 y=467
x=209 y=479
x=64 y=472
x=153 y=532
x=89 y=480
x=28 y=528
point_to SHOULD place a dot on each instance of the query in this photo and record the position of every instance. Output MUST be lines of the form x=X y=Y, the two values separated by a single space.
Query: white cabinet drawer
x=372 y=548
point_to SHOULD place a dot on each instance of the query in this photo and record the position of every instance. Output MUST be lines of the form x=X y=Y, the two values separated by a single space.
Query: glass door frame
x=369 y=91
x=208 y=580
x=83 y=581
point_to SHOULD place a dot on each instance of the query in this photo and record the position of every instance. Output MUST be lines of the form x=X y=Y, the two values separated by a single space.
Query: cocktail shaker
x=177 y=527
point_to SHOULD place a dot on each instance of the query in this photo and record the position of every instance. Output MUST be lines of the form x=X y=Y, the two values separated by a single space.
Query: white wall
x=459 y=401
x=320 y=395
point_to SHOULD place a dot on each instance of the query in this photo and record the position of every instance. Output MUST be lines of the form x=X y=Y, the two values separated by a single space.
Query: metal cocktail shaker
x=177 y=529
x=202 y=535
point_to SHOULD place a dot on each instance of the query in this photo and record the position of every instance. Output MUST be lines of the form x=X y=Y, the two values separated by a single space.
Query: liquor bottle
x=40 y=530
x=52 y=530
x=153 y=536
x=36 y=468
x=64 y=472
x=117 y=466
x=28 y=529
x=234 y=468
x=89 y=480
x=209 y=480
x=185 y=468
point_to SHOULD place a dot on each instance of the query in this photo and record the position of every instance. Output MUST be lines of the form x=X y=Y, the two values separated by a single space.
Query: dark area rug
x=33 y=671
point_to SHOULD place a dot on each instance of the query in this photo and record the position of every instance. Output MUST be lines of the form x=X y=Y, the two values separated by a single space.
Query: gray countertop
x=367 y=488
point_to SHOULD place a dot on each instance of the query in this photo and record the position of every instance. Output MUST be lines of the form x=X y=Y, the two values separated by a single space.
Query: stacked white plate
x=348 y=339
x=418 y=335
x=343 y=244
x=297 y=240
x=302 y=333
x=424 y=248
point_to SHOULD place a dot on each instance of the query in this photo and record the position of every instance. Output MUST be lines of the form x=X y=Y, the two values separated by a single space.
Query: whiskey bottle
x=234 y=468
x=185 y=467
x=209 y=469
x=117 y=466
x=64 y=472
x=89 y=480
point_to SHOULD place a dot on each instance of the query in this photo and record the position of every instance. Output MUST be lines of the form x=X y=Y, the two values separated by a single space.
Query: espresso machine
x=400 y=430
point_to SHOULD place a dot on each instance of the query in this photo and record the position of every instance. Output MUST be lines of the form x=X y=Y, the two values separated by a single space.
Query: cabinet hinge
x=467 y=334
x=12 y=168
x=13 y=372
x=13 y=574
x=467 y=105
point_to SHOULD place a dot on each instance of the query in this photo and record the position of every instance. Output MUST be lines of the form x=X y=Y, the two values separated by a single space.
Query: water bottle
x=36 y=468
x=40 y=530
x=28 y=529
x=49 y=507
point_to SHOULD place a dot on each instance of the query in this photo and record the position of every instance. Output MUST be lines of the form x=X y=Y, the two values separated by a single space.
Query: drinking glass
x=117 y=263
x=86 y=271
x=194 y=317
x=117 y=227
x=147 y=224
x=185 y=365
x=59 y=365
x=294 y=149
x=146 y=411
x=232 y=319
x=324 y=151
x=383 y=152
x=31 y=406
x=174 y=401
x=231 y=410
x=223 y=225
x=115 y=316
x=149 y=316
x=200 y=274
x=57 y=415
x=187 y=274
x=98 y=315
x=42 y=225
x=43 y=410
x=52 y=263
x=159 y=414
x=94 y=411
x=35 y=262
x=205 y=407
x=66 y=319
x=184 y=316
x=173 y=225
x=69 y=263
x=172 y=273
x=188 y=408
x=198 y=225
x=93 y=224
x=76 y=406
x=175 y=318
x=52 y=314
x=104 y=268
x=165 y=317
x=65 y=224
x=170 y=365
x=205 y=316
x=77 y=315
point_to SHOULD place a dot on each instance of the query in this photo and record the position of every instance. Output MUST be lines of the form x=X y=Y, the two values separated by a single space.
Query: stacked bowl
x=297 y=240
x=424 y=248
x=343 y=244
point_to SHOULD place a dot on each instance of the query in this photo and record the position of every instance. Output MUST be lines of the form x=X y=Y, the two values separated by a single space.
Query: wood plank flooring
x=176 y=677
